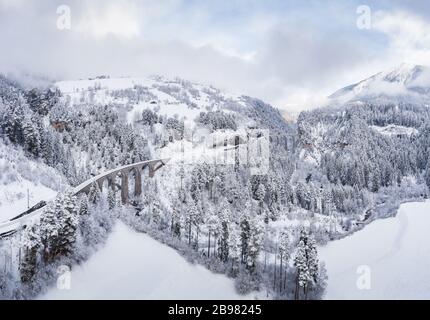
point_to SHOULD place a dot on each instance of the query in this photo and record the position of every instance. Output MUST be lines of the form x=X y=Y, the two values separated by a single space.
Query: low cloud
x=290 y=63
x=408 y=34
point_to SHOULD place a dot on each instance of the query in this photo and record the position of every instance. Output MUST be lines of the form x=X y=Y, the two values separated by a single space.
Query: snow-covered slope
x=176 y=99
x=137 y=267
x=166 y=97
x=407 y=83
x=395 y=130
x=21 y=177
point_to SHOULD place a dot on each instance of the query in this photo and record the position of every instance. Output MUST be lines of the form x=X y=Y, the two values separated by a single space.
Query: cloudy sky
x=291 y=53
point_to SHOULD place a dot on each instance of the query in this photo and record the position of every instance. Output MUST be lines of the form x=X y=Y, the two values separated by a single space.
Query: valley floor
x=395 y=250
x=132 y=265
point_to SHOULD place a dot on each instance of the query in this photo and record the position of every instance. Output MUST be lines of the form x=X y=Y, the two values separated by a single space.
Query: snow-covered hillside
x=171 y=98
x=24 y=182
x=213 y=212
x=367 y=146
x=136 y=266
x=395 y=130
x=407 y=83
x=324 y=177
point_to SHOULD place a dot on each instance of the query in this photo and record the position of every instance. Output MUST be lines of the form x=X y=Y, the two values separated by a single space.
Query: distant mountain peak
x=406 y=82
x=404 y=73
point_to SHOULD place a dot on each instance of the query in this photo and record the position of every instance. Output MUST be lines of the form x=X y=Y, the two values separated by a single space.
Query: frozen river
x=388 y=259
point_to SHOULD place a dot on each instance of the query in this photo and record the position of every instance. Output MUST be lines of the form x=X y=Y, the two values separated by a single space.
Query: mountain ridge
x=406 y=82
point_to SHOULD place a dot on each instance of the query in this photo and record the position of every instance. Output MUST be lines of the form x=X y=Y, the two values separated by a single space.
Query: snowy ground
x=393 y=130
x=397 y=251
x=134 y=266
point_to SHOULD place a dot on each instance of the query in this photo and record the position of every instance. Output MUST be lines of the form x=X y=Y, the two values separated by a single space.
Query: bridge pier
x=151 y=171
x=100 y=183
x=137 y=181
x=111 y=182
x=124 y=186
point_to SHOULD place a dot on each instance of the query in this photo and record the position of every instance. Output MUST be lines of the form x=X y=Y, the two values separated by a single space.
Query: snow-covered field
x=397 y=252
x=134 y=266
x=395 y=130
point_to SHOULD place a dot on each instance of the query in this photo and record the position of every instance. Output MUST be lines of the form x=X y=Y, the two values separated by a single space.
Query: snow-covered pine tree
x=83 y=204
x=300 y=262
x=260 y=195
x=155 y=212
x=112 y=198
x=175 y=224
x=255 y=243
x=284 y=249
x=212 y=225
x=235 y=251
x=313 y=262
x=94 y=195
x=31 y=136
x=69 y=223
x=49 y=229
x=223 y=242
x=30 y=245
x=59 y=222
x=306 y=262
x=46 y=146
x=244 y=239
x=190 y=217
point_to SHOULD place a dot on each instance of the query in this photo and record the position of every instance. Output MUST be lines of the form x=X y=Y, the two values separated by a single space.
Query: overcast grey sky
x=290 y=53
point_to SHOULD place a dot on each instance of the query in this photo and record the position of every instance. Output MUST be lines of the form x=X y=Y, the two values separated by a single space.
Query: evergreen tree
x=223 y=246
x=306 y=263
x=312 y=258
x=94 y=194
x=190 y=219
x=83 y=205
x=176 y=218
x=244 y=239
x=112 y=198
x=31 y=136
x=255 y=244
x=59 y=222
x=300 y=262
x=235 y=251
x=284 y=249
x=30 y=246
x=212 y=225
x=260 y=195
x=155 y=213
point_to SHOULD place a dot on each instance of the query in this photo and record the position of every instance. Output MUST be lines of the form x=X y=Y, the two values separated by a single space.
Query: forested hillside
x=257 y=219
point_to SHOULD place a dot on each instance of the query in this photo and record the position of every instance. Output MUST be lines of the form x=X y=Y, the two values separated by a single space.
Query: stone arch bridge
x=9 y=227
x=124 y=173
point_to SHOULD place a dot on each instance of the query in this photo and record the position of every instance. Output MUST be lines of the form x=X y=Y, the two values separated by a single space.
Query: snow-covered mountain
x=373 y=136
x=24 y=182
x=327 y=175
x=210 y=207
x=167 y=97
x=405 y=83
